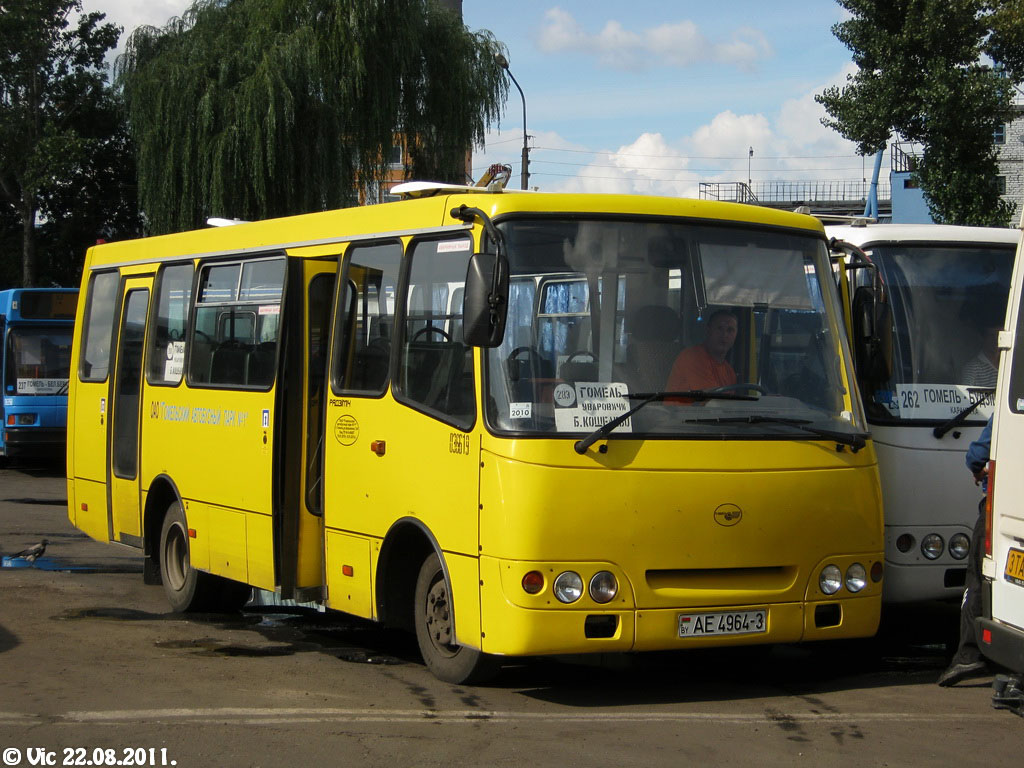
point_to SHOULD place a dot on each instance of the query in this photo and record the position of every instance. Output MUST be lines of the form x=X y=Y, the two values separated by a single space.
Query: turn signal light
x=533 y=582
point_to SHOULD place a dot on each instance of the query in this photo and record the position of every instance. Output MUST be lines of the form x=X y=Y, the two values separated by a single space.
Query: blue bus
x=36 y=325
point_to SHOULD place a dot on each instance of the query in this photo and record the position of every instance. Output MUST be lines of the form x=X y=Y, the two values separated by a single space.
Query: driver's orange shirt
x=694 y=368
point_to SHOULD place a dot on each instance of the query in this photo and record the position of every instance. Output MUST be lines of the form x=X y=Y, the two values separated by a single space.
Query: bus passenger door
x=125 y=400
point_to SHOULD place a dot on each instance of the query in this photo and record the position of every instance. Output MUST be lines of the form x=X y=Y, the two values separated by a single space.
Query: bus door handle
x=378 y=447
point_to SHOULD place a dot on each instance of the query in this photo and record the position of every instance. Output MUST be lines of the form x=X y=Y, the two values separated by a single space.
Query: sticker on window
x=520 y=410
x=453 y=246
x=270 y=309
x=936 y=401
x=174 y=363
x=587 y=405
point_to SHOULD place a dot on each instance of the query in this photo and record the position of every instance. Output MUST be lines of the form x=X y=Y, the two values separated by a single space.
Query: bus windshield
x=948 y=304
x=605 y=312
x=38 y=361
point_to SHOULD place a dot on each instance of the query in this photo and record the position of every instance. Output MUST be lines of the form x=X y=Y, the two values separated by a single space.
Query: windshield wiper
x=855 y=440
x=961 y=417
x=603 y=431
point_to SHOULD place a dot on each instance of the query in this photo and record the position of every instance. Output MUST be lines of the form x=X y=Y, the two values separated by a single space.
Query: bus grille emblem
x=728 y=515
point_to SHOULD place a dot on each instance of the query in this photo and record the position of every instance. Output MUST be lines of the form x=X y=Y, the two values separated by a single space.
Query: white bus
x=1001 y=626
x=933 y=392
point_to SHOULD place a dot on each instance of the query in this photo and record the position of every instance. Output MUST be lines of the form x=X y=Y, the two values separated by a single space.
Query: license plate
x=1014 y=570
x=722 y=623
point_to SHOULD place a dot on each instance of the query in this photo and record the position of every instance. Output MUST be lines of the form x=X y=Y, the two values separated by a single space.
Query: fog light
x=959 y=545
x=533 y=582
x=905 y=542
x=932 y=545
x=603 y=587
x=568 y=587
x=831 y=579
x=856 y=577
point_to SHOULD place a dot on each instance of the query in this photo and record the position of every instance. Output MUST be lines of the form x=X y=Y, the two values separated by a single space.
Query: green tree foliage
x=56 y=115
x=259 y=108
x=920 y=77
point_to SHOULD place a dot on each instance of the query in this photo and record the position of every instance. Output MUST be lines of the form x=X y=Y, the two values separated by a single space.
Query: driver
x=704 y=366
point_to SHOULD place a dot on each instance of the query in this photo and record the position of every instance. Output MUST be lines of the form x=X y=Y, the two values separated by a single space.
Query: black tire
x=189 y=590
x=434 y=619
x=184 y=586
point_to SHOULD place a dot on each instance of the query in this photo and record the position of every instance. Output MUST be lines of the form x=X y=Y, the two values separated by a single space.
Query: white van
x=947 y=288
x=1001 y=624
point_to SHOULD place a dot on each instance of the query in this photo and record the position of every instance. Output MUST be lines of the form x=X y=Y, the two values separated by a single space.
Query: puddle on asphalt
x=50 y=564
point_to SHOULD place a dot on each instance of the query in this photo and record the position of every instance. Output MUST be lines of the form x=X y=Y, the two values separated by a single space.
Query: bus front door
x=125 y=400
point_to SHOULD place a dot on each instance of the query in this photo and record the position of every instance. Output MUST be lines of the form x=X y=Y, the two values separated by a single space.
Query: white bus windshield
x=948 y=304
x=603 y=313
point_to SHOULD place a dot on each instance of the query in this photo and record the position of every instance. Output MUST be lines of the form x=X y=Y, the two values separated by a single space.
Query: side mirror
x=485 y=302
x=872 y=336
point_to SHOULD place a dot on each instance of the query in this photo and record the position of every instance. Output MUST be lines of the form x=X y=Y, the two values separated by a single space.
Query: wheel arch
x=162 y=493
x=406 y=545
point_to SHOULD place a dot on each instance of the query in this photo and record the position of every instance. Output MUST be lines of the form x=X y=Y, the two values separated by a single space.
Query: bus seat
x=261 y=363
x=229 y=363
x=578 y=370
x=432 y=371
x=653 y=348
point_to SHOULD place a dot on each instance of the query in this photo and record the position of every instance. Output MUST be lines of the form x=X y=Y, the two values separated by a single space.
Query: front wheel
x=435 y=631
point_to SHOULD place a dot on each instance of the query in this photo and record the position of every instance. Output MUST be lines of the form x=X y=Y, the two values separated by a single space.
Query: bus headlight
x=568 y=587
x=603 y=587
x=856 y=577
x=830 y=580
x=959 y=545
x=931 y=546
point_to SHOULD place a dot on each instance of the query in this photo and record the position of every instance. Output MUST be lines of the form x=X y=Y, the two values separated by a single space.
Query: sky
x=651 y=96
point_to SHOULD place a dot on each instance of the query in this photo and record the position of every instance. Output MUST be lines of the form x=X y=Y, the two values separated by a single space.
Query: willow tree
x=259 y=108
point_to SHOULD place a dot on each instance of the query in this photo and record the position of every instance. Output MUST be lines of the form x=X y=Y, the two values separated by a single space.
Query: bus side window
x=237 y=324
x=435 y=369
x=99 y=326
x=167 y=342
x=366 y=319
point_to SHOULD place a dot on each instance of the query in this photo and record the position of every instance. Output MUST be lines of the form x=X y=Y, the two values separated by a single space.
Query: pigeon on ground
x=31 y=553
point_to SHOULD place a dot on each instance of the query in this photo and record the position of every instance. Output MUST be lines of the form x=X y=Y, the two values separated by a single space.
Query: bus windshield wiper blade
x=961 y=417
x=855 y=440
x=604 y=430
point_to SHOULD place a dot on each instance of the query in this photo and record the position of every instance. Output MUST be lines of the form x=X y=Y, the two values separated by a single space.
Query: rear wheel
x=187 y=589
x=435 y=631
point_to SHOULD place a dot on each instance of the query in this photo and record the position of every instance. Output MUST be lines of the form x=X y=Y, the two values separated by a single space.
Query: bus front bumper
x=516 y=631
x=34 y=441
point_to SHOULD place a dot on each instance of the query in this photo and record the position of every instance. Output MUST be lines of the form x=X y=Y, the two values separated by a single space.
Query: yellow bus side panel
x=311 y=547
x=125 y=497
x=197 y=518
x=89 y=431
x=226 y=533
x=259 y=546
x=350 y=594
x=464 y=576
x=92 y=519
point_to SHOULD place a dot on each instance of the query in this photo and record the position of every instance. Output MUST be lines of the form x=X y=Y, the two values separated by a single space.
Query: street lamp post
x=525 y=178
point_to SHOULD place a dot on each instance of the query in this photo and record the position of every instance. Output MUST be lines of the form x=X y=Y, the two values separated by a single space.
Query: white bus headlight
x=831 y=579
x=568 y=587
x=603 y=587
x=959 y=545
x=931 y=546
x=856 y=577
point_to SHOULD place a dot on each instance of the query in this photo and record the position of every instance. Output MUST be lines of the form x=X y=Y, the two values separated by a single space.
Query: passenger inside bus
x=704 y=365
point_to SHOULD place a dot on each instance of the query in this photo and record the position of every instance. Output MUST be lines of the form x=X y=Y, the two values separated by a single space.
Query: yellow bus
x=460 y=413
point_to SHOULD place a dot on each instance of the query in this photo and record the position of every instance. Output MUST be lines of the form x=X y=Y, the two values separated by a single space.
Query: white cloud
x=790 y=145
x=677 y=44
x=130 y=14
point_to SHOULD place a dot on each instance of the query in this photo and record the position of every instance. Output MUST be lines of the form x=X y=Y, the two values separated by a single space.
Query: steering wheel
x=582 y=353
x=533 y=360
x=747 y=386
x=431 y=329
